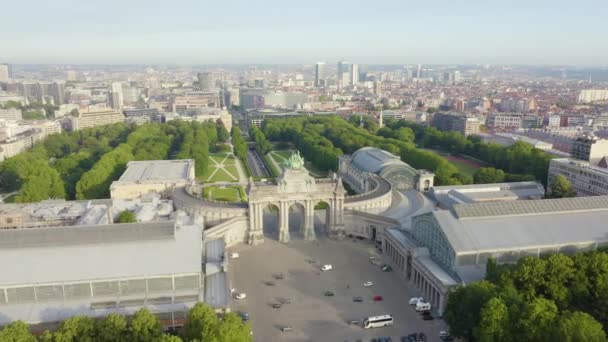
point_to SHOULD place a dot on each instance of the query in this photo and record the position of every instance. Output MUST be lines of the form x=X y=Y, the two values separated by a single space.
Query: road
x=258 y=168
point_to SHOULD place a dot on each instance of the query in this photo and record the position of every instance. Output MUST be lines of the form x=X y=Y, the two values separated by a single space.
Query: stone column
x=256 y=234
x=283 y=222
x=336 y=227
x=309 y=221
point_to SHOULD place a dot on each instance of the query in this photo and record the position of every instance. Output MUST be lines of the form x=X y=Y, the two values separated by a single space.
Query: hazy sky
x=304 y=31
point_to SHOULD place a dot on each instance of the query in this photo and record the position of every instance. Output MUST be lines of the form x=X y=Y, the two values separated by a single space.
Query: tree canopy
x=560 y=187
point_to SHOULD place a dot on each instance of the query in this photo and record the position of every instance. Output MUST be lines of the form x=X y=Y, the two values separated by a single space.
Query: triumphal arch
x=295 y=187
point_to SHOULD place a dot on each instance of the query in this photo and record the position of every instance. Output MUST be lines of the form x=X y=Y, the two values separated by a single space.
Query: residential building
x=587 y=179
x=195 y=100
x=462 y=123
x=593 y=95
x=378 y=88
x=13 y=114
x=115 y=96
x=590 y=148
x=501 y=121
x=96 y=118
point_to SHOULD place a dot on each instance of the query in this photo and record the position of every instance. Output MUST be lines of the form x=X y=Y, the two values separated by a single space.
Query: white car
x=415 y=300
x=368 y=284
x=326 y=267
x=234 y=255
x=423 y=306
x=241 y=295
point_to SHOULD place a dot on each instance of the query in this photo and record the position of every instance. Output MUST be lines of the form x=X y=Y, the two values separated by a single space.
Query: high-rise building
x=5 y=72
x=206 y=80
x=378 y=88
x=419 y=71
x=462 y=123
x=354 y=74
x=343 y=69
x=319 y=74
x=115 y=95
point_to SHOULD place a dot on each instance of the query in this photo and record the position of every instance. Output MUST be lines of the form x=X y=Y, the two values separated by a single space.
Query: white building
x=159 y=176
x=587 y=179
x=593 y=95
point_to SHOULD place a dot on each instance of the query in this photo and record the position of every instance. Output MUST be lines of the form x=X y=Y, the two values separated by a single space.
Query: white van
x=326 y=267
x=422 y=306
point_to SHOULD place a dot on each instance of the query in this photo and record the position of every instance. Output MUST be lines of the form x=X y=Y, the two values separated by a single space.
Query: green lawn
x=228 y=174
x=221 y=175
x=464 y=167
x=227 y=194
x=219 y=157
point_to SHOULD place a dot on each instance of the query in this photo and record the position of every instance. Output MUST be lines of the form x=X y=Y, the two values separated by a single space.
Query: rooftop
x=151 y=171
x=448 y=196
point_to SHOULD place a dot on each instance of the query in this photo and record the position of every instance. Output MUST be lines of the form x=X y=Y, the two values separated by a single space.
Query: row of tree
x=558 y=298
x=83 y=164
x=521 y=160
x=202 y=325
x=239 y=143
x=262 y=144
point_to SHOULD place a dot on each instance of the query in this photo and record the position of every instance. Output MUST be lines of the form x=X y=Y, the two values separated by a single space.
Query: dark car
x=279 y=276
x=410 y=338
x=378 y=298
x=277 y=305
x=270 y=283
x=387 y=268
x=244 y=316
x=427 y=316
x=329 y=294
x=357 y=299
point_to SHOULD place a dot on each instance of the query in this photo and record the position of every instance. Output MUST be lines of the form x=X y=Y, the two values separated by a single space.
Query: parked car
x=276 y=305
x=445 y=336
x=368 y=284
x=241 y=295
x=329 y=294
x=387 y=268
x=234 y=255
x=286 y=328
x=427 y=316
x=423 y=306
x=415 y=300
x=410 y=338
x=357 y=299
x=244 y=316
x=326 y=267
x=378 y=298
x=270 y=283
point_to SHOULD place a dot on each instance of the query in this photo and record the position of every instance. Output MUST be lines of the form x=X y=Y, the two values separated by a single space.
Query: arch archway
x=297 y=220
x=271 y=221
x=322 y=211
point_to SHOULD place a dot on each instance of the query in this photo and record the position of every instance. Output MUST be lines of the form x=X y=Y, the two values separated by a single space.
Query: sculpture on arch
x=294 y=162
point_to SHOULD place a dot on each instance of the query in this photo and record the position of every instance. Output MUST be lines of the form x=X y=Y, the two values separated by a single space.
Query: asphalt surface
x=256 y=164
x=313 y=316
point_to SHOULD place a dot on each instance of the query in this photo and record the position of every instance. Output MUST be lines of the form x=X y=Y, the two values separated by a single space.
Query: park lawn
x=226 y=194
x=220 y=176
x=464 y=167
x=218 y=157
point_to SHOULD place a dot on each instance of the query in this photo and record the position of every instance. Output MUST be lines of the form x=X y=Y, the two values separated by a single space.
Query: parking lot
x=312 y=315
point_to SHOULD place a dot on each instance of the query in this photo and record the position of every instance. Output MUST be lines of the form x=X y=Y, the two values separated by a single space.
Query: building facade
x=587 y=179
x=94 y=119
x=461 y=123
x=590 y=148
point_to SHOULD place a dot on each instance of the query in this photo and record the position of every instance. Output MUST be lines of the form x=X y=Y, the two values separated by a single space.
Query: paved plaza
x=313 y=316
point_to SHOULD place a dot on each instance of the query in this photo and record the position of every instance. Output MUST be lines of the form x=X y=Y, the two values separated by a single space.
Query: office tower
x=343 y=68
x=419 y=71
x=457 y=77
x=58 y=93
x=378 y=88
x=206 y=80
x=319 y=74
x=354 y=74
x=5 y=72
x=115 y=95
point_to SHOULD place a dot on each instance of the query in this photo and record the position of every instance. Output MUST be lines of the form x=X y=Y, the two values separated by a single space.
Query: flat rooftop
x=150 y=171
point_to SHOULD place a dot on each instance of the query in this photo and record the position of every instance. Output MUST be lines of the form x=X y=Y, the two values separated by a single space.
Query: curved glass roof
x=385 y=164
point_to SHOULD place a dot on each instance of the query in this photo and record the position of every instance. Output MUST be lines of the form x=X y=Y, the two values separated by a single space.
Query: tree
x=232 y=329
x=579 y=327
x=537 y=321
x=145 y=327
x=201 y=323
x=77 y=328
x=488 y=175
x=463 y=312
x=17 y=331
x=561 y=187
x=126 y=216
x=494 y=318
x=222 y=132
x=112 y=328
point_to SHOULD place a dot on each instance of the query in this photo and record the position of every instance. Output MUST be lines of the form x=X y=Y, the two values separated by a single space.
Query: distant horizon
x=605 y=66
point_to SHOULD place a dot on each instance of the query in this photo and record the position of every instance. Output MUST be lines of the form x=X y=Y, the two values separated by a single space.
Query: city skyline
x=187 y=32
